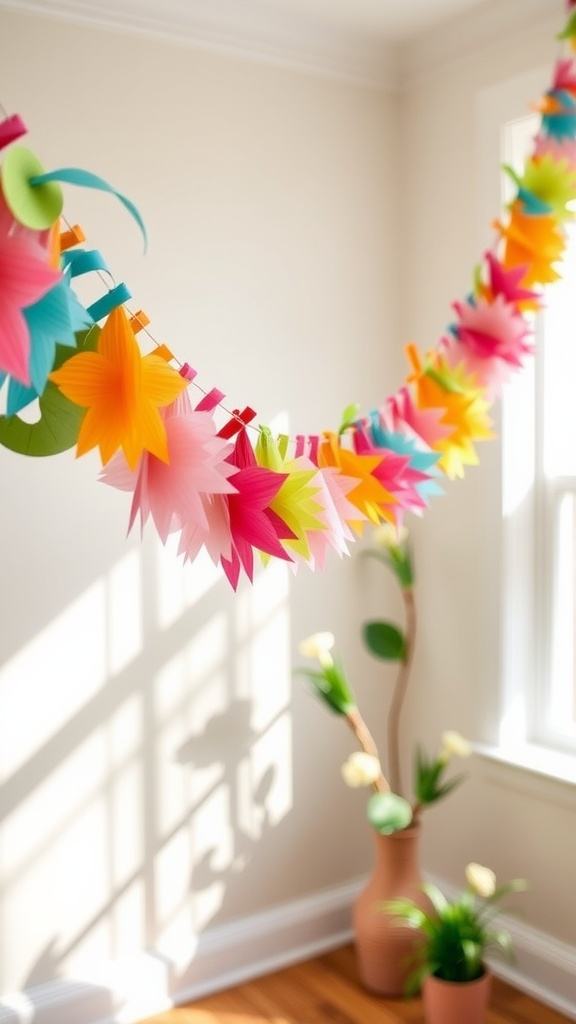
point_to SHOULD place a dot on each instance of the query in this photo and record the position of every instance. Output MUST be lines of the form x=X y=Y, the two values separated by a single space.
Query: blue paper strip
x=114 y=298
x=76 y=176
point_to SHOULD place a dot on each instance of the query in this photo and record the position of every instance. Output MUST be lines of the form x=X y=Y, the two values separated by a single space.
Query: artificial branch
x=399 y=691
x=366 y=741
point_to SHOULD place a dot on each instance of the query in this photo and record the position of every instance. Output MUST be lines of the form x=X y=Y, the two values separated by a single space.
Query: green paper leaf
x=385 y=640
x=60 y=419
x=388 y=812
x=349 y=416
x=570 y=28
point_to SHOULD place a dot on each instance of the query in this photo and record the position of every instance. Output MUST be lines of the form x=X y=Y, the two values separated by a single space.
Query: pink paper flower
x=491 y=341
x=25 y=276
x=176 y=493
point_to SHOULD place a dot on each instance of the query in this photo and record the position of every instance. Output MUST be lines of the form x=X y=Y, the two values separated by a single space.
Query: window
x=539 y=525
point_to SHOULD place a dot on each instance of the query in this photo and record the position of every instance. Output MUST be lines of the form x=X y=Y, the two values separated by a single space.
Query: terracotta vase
x=384 y=948
x=453 y=1002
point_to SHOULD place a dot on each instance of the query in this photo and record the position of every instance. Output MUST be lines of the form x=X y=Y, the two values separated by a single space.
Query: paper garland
x=287 y=498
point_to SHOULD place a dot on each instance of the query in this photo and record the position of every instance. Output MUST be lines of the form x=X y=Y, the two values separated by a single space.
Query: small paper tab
x=11 y=128
x=164 y=352
x=188 y=371
x=72 y=237
x=139 y=320
x=210 y=401
x=314 y=441
x=238 y=420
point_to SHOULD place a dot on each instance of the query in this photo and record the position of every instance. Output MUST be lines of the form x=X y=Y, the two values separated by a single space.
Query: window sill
x=539 y=766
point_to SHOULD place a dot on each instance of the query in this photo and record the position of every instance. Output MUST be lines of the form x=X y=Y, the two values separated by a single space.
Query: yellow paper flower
x=122 y=392
x=295 y=501
x=551 y=181
x=481 y=880
x=464 y=406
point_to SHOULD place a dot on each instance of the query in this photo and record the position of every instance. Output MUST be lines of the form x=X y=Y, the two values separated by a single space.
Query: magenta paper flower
x=564 y=77
x=401 y=415
x=25 y=276
x=506 y=282
x=491 y=341
x=176 y=493
x=396 y=475
x=253 y=524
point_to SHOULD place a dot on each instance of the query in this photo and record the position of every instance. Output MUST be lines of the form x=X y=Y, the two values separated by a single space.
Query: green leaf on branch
x=331 y=686
x=388 y=813
x=385 y=640
x=428 y=785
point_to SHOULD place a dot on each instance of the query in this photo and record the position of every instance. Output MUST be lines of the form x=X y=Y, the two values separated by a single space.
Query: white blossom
x=387 y=536
x=454 y=745
x=481 y=880
x=318 y=646
x=361 y=769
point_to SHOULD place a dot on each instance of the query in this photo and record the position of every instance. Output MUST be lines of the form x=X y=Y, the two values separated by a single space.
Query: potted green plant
x=454 y=940
x=394 y=816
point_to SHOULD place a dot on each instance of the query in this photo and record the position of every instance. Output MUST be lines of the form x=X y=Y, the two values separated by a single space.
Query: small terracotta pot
x=456 y=1002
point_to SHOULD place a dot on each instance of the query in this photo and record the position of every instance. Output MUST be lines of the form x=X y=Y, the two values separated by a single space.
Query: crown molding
x=270 y=35
x=427 y=54
x=286 y=38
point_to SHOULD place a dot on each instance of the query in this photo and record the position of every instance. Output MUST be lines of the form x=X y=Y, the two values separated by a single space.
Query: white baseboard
x=129 y=990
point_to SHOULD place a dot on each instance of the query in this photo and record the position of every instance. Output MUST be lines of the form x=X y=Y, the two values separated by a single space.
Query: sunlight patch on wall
x=70 y=652
x=180 y=586
x=124 y=612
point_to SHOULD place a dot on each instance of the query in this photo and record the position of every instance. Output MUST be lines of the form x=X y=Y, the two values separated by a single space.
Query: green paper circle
x=60 y=419
x=34 y=206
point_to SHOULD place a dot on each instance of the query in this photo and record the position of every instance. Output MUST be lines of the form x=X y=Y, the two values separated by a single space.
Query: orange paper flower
x=122 y=392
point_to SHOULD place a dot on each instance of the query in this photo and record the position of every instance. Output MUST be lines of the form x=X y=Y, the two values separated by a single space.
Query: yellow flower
x=454 y=745
x=481 y=880
x=318 y=646
x=361 y=769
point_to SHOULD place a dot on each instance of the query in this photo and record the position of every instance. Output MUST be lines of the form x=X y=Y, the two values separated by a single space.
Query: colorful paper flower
x=551 y=182
x=369 y=496
x=54 y=319
x=296 y=500
x=243 y=521
x=25 y=277
x=338 y=513
x=506 y=282
x=535 y=243
x=122 y=391
x=465 y=406
x=176 y=493
x=394 y=473
x=491 y=342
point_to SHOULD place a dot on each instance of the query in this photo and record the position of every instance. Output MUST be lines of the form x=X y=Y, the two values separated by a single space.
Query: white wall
x=270 y=201
x=163 y=774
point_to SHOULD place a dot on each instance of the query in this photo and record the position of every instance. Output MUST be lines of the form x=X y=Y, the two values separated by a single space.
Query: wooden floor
x=326 y=990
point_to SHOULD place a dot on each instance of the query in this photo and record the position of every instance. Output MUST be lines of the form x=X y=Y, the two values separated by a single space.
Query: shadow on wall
x=145 y=752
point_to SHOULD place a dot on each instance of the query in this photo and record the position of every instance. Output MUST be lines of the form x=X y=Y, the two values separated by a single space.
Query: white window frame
x=522 y=733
